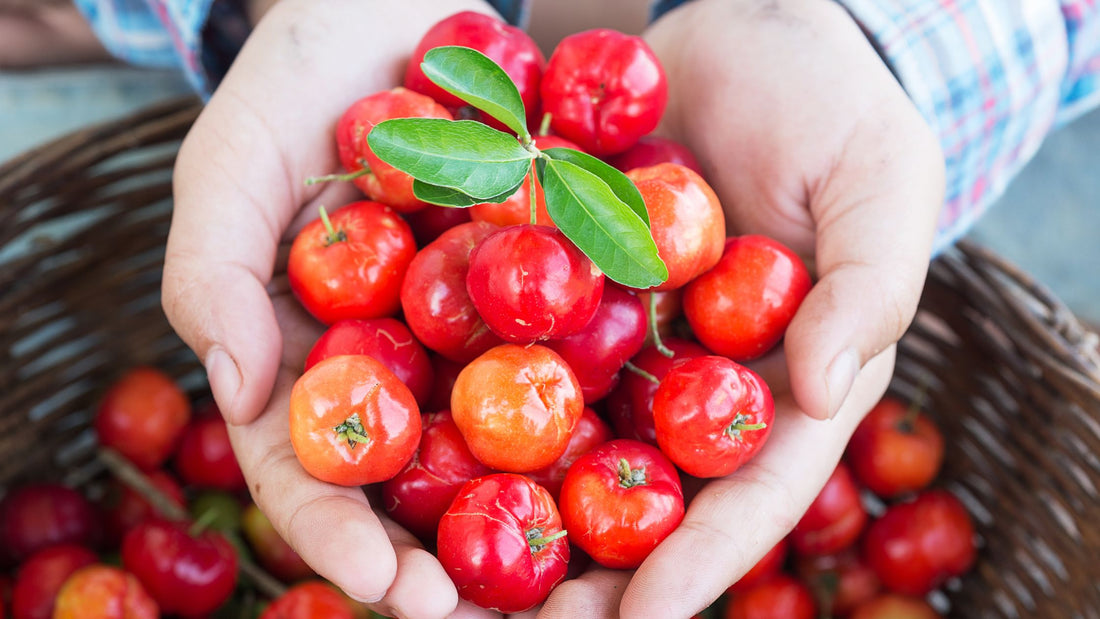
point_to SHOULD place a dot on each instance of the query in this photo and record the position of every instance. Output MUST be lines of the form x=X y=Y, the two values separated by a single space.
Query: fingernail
x=839 y=377
x=368 y=599
x=225 y=379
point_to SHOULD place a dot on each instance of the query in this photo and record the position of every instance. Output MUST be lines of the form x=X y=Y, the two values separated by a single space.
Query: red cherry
x=895 y=449
x=437 y=307
x=186 y=574
x=917 y=545
x=741 y=308
x=531 y=283
x=603 y=90
x=510 y=47
x=35 y=516
x=834 y=520
x=389 y=341
x=379 y=180
x=142 y=416
x=598 y=352
x=351 y=264
x=205 y=457
x=40 y=578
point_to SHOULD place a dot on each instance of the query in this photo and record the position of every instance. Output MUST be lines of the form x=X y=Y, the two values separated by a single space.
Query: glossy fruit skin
x=329 y=400
x=142 y=416
x=591 y=432
x=598 y=352
x=389 y=341
x=517 y=208
x=384 y=183
x=357 y=275
x=42 y=514
x=104 y=592
x=309 y=600
x=782 y=597
x=840 y=582
x=436 y=305
x=741 y=308
x=894 y=606
x=205 y=456
x=630 y=403
x=517 y=406
x=483 y=543
x=620 y=500
x=184 y=574
x=834 y=520
x=706 y=413
x=770 y=565
x=604 y=90
x=432 y=220
x=417 y=497
x=531 y=283
x=270 y=549
x=40 y=578
x=653 y=149
x=894 y=451
x=915 y=546
x=508 y=46
x=686 y=219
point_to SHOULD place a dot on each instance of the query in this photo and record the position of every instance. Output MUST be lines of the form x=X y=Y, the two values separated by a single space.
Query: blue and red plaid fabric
x=991 y=77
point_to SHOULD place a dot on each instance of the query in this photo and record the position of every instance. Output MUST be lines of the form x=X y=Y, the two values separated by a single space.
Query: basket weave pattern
x=1011 y=376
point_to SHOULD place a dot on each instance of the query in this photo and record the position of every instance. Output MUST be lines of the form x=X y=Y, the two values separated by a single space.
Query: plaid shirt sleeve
x=200 y=37
x=992 y=78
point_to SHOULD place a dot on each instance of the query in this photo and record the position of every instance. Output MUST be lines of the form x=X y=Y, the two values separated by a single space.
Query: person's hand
x=239 y=192
x=807 y=138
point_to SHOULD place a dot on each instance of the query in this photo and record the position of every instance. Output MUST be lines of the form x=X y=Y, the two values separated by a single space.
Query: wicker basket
x=1010 y=374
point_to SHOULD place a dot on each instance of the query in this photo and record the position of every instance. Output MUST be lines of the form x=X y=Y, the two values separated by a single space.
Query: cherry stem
x=536 y=543
x=908 y=423
x=137 y=481
x=640 y=372
x=350 y=176
x=332 y=235
x=738 y=426
x=352 y=431
x=203 y=522
x=544 y=126
x=654 y=331
x=629 y=477
x=534 y=200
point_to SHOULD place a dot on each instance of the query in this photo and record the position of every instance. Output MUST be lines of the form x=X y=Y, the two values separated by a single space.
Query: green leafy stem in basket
x=460 y=163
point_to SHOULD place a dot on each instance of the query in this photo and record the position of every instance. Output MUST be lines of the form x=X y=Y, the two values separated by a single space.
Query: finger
x=594 y=594
x=876 y=220
x=732 y=522
x=421 y=587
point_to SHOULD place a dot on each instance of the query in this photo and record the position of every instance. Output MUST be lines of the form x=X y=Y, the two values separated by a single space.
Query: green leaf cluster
x=463 y=163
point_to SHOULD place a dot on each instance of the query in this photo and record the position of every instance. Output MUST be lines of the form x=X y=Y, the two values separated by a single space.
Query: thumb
x=876 y=218
x=219 y=259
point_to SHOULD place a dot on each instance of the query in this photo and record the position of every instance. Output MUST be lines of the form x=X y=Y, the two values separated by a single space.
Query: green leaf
x=465 y=155
x=445 y=196
x=473 y=77
x=608 y=231
x=619 y=183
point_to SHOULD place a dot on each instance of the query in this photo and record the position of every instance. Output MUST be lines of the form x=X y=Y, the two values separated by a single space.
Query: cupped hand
x=807 y=138
x=240 y=193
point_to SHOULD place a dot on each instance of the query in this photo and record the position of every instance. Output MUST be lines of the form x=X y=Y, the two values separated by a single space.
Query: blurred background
x=1047 y=223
